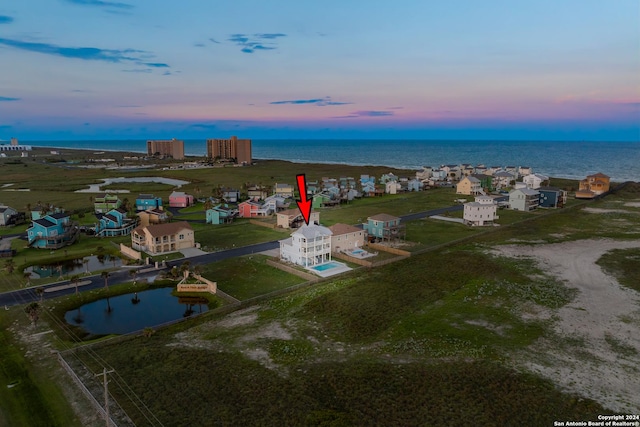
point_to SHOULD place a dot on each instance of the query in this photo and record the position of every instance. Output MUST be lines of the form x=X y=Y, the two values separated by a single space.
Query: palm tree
x=33 y=311
x=184 y=268
x=27 y=276
x=208 y=204
x=40 y=292
x=10 y=265
x=135 y=300
x=133 y=274
x=105 y=276
x=75 y=280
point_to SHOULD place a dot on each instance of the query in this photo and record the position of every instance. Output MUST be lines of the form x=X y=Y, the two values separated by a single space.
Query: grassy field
x=30 y=393
x=248 y=276
x=624 y=265
x=424 y=341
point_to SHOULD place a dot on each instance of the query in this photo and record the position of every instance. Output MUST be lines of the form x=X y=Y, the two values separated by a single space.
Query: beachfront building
x=309 y=245
x=524 y=199
x=115 y=223
x=230 y=150
x=481 y=212
x=346 y=237
x=15 y=146
x=148 y=201
x=552 y=197
x=593 y=185
x=105 y=202
x=534 y=180
x=383 y=227
x=180 y=199
x=52 y=231
x=163 y=238
x=173 y=148
x=469 y=186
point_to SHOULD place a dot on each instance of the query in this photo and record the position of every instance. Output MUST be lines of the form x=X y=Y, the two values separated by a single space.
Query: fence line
x=84 y=389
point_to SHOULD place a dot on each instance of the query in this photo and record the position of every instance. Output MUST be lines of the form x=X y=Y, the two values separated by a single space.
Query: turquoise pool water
x=327 y=266
x=357 y=251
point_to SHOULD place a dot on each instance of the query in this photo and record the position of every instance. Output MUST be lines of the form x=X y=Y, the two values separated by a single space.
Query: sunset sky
x=85 y=69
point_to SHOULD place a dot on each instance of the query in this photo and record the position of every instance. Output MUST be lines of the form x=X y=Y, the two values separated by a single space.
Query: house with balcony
x=180 y=199
x=220 y=214
x=153 y=216
x=524 y=199
x=230 y=195
x=525 y=170
x=346 y=237
x=253 y=209
x=424 y=173
x=593 y=185
x=284 y=190
x=414 y=185
x=148 y=201
x=486 y=182
x=469 y=186
x=308 y=246
x=105 y=202
x=481 y=212
x=53 y=231
x=392 y=187
x=257 y=192
x=534 y=180
x=292 y=218
x=158 y=239
x=7 y=214
x=502 y=179
x=552 y=197
x=384 y=227
x=115 y=223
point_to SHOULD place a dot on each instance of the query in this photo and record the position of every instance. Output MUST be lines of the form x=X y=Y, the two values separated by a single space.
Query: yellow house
x=163 y=238
x=469 y=186
x=593 y=185
x=346 y=237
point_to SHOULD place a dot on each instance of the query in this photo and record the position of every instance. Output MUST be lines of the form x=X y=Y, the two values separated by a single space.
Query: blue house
x=551 y=197
x=383 y=227
x=220 y=214
x=414 y=185
x=53 y=231
x=148 y=201
x=115 y=223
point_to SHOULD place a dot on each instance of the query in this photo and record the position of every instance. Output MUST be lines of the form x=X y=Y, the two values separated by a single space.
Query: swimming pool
x=327 y=266
x=357 y=251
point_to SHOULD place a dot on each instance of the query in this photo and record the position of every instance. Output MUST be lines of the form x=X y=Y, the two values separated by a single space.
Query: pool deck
x=340 y=268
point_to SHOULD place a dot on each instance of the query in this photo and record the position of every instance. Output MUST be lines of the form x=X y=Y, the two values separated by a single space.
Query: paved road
x=24 y=296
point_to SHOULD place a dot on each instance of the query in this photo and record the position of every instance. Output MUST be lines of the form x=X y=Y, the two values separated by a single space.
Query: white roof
x=526 y=191
x=312 y=230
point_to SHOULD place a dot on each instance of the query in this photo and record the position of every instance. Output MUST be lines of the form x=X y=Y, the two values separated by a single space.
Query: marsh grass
x=624 y=265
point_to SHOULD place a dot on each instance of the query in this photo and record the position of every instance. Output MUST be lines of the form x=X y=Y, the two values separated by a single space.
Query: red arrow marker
x=304 y=205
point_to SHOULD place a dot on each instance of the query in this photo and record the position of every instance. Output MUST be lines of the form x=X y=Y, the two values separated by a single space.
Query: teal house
x=148 y=201
x=53 y=231
x=115 y=223
x=383 y=227
x=220 y=214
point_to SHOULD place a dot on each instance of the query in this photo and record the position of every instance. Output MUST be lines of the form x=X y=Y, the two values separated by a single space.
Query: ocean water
x=563 y=159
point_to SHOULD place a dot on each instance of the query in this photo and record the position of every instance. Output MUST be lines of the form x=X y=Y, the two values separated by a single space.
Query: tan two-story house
x=163 y=238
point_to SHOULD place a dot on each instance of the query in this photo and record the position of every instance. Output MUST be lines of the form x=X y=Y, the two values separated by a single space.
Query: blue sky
x=288 y=69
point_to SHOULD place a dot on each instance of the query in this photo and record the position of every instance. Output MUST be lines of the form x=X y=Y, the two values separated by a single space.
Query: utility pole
x=106 y=393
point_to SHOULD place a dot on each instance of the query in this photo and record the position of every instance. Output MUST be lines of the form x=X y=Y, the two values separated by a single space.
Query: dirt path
x=596 y=351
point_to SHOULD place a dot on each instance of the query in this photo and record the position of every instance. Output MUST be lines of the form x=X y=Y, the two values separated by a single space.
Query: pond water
x=134 y=311
x=73 y=266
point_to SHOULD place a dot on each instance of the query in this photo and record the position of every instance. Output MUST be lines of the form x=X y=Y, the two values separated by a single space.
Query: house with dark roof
x=383 y=227
x=552 y=197
x=148 y=201
x=6 y=215
x=53 y=231
x=115 y=223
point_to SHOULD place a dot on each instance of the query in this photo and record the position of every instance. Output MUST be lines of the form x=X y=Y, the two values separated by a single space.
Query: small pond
x=73 y=266
x=134 y=311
